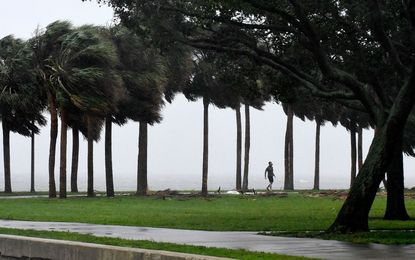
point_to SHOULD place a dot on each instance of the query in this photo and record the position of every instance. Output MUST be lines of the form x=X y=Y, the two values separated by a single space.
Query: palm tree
x=83 y=71
x=20 y=99
x=143 y=71
x=46 y=46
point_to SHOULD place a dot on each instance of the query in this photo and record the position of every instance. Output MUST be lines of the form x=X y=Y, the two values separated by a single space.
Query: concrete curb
x=39 y=248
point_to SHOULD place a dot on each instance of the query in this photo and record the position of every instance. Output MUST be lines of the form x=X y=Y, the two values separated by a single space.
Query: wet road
x=315 y=248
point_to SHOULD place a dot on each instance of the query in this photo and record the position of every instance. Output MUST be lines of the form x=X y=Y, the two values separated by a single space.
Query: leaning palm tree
x=46 y=45
x=143 y=71
x=84 y=71
x=20 y=99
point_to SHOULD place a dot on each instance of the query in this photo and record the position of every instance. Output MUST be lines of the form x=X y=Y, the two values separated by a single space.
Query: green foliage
x=21 y=101
x=143 y=71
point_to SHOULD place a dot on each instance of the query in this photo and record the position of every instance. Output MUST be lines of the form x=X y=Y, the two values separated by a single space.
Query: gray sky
x=175 y=145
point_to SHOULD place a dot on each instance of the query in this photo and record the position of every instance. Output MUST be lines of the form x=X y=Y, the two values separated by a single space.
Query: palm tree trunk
x=205 y=147
x=317 y=157
x=247 y=147
x=6 y=156
x=395 y=204
x=238 y=147
x=359 y=147
x=75 y=157
x=90 y=191
x=108 y=157
x=52 y=146
x=353 y=156
x=289 y=151
x=62 y=174
x=142 y=184
x=32 y=162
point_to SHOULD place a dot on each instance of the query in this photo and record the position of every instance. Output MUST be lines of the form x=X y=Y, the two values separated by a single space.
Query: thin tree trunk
x=63 y=146
x=238 y=147
x=205 y=147
x=90 y=191
x=75 y=158
x=108 y=157
x=32 y=161
x=289 y=151
x=353 y=156
x=142 y=184
x=247 y=147
x=359 y=147
x=317 y=157
x=52 y=146
x=6 y=156
x=395 y=205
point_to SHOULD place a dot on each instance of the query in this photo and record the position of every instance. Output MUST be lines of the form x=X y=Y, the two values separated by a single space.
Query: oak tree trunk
x=6 y=156
x=205 y=147
x=109 y=179
x=90 y=190
x=142 y=182
x=62 y=172
x=354 y=213
x=52 y=146
x=247 y=147
x=353 y=156
x=317 y=158
x=395 y=204
x=75 y=159
x=238 y=148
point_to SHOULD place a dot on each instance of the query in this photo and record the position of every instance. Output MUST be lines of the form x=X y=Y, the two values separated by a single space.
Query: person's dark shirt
x=270 y=171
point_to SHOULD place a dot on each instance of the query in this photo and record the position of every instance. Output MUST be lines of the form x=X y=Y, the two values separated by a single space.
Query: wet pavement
x=314 y=248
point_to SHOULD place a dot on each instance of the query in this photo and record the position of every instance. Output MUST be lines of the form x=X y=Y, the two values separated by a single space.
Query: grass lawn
x=294 y=213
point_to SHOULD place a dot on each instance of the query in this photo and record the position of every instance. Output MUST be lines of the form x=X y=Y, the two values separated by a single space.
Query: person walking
x=270 y=172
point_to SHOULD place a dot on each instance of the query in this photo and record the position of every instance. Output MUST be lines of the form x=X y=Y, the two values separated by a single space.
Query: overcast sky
x=175 y=145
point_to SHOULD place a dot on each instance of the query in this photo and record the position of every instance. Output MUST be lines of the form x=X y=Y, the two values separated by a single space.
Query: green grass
x=220 y=252
x=219 y=213
x=295 y=213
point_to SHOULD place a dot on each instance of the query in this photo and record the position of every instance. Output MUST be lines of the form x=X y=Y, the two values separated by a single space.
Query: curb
x=49 y=249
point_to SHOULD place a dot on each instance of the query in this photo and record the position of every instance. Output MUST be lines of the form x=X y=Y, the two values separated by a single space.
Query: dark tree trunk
x=75 y=157
x=32 y=162
x=289 y=151
x=395 y=205
x=359 y=147
x=90 y=191
x=353 y=156
x=6 y=156
x=142 y=184
x=52 y=146
x=108 y=157
x=247 y=147
x=354 y=213
x=317 y=158
x=238 y=148
x=62 y=172
x=205 y=147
